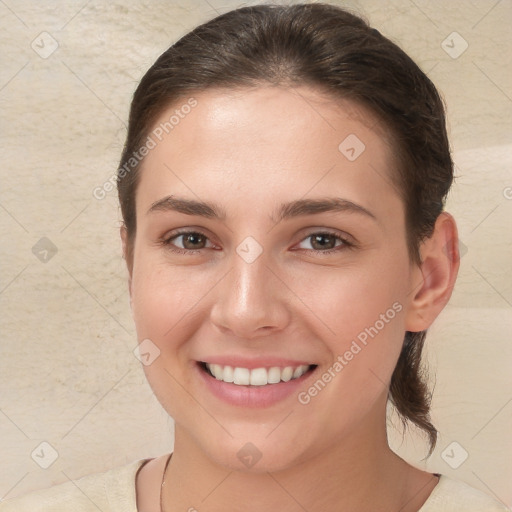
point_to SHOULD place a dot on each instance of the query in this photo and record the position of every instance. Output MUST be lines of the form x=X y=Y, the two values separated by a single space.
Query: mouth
x=255 y=377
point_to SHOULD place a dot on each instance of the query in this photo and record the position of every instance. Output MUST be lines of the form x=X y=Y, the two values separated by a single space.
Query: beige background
x=68 y=376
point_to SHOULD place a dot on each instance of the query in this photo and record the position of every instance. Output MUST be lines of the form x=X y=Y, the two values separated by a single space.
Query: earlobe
x=434 y=279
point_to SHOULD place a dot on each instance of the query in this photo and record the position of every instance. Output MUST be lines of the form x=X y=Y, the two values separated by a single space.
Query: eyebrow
x=293 y=209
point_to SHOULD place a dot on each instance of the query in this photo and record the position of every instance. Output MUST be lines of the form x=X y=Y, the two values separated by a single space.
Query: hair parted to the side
x=333 y=50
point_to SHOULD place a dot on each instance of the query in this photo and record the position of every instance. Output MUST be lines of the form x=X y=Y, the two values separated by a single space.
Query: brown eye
x=192 y=240
x=186 y=242
x=319 y=241
x=326 y=243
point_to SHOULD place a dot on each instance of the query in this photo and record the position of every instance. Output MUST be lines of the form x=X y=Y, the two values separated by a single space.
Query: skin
x=248 y=151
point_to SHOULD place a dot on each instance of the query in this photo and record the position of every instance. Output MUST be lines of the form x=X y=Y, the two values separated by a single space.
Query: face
x=270 y=242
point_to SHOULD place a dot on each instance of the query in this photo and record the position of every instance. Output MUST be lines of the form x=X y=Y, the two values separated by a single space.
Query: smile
x=256 y=376
x=253 y=382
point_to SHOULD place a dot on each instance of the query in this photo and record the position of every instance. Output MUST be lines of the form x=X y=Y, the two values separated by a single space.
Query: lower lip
x=252 y=396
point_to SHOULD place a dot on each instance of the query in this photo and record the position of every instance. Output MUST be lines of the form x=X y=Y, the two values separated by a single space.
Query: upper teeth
x=257 y=376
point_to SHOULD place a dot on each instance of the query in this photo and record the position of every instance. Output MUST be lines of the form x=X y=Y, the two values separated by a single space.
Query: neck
x=358 y=472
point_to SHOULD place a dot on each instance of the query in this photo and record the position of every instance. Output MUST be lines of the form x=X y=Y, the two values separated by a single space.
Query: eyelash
x=168 y=242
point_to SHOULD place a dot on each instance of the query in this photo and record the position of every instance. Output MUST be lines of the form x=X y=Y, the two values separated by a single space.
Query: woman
x=282 y=189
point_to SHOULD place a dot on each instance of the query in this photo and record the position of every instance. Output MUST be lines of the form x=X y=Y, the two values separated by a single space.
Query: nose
x=251 y=301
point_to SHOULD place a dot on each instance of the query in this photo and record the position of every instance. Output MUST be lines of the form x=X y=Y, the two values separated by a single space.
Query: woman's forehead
x=264 y=141
x=266 y=110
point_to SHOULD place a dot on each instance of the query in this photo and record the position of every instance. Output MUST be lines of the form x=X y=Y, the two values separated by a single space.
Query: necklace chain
x=163 y=483
x=435 y=475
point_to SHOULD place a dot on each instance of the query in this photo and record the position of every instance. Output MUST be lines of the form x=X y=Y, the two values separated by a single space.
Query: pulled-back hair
x=335 y=51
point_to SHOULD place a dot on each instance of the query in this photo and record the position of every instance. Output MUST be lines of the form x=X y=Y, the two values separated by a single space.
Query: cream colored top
x=114 y=491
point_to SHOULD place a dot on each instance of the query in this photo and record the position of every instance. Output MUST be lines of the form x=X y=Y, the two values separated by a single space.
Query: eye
x=325 y=242
x=192 y=242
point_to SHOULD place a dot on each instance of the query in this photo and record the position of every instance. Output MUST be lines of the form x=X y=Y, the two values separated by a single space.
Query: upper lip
x=254 y=362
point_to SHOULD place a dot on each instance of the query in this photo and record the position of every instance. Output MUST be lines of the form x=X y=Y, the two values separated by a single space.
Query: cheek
x=363 y=309
x=350 y=301
x=162 y=305
x=365 y=313
x=148 y=304
x=168 y=306
x=162 y=297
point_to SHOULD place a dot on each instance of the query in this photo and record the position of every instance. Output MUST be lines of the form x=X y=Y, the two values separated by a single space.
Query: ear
x=124 y=239
x=433 y=281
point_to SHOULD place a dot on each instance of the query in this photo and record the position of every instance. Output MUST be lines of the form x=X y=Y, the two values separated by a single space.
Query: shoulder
x=453 y=496
x=110 y=491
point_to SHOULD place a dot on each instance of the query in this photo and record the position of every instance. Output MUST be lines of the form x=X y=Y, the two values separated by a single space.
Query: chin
x=254 y=451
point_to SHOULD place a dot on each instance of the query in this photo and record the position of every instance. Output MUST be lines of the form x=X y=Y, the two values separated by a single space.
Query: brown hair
x=334 y=50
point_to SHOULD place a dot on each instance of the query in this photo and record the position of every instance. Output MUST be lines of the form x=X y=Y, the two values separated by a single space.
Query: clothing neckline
x=442 y=479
